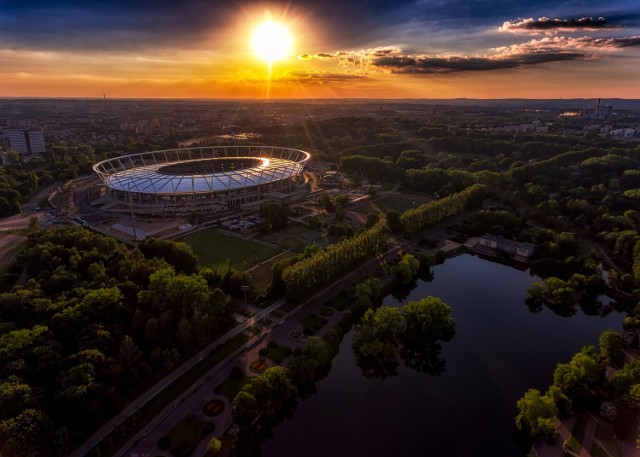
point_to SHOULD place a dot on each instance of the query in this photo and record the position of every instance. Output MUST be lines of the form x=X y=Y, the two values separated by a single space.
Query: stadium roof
x=141 y=172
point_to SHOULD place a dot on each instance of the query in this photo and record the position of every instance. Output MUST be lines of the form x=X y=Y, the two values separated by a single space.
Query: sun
x=271 y=41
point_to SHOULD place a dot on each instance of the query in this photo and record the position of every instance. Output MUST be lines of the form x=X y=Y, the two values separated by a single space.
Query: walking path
x=107 y=428
x=589 y=435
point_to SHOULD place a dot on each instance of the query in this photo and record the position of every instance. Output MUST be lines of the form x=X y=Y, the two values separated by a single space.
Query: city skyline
x=364 y=49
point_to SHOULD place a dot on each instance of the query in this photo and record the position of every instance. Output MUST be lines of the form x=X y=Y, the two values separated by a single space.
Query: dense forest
x=93 y=325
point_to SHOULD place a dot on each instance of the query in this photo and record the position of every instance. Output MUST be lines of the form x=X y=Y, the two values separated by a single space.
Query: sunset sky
x=339 y=49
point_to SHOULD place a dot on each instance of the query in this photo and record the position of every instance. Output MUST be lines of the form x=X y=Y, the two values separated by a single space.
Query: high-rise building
x=25 y=142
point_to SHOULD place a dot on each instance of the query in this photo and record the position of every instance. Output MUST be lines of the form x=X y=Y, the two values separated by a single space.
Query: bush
x=630 y=323
x=307 y=331
x=236 y=373
x=263 y=352
x=164 y=443
x=272 y=344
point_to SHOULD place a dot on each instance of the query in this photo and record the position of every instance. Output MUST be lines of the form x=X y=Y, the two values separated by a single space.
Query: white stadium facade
x=201 y=179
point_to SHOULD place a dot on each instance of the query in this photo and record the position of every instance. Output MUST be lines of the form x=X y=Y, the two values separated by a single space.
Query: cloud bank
x=555 y=25
x=533 y=52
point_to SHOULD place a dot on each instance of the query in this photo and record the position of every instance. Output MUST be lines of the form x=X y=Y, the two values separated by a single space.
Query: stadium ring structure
x=200 y=179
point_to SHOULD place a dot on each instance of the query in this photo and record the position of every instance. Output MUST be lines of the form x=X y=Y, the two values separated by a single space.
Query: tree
x=244 y=408
x=417 y=219
x=576 y=378
x=282 y=389
x=315 y=272
x=275 y=217
x=536 y=415
x=611 y=347
x=393 y=221
x=376 y=337
x=372 y=219
x=27 y=435
x=624 y=383
x=214 y=447
x=178 y=254
x=427 y=319
x=368 y=294
x=170 y=291
x=405 y=270
x=412 y=332
x=129 y=353
x=15 y=395
x=260 y=389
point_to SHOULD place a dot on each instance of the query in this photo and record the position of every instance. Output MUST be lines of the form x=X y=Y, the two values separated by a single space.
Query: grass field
x=232 y=385
x=341 y=301
x=391 y=203
x=313 y=321
x=185 y=436
x=276 y=353
x=262 y=275
x=294 y=237
x=215 y=249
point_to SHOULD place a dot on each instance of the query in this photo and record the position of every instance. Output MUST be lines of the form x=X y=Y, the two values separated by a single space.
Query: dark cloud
x=566 y=43
x=545 y=24
x=431 y=65
x=533 y=52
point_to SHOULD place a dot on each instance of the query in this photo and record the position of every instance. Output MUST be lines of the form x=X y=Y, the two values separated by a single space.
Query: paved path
x=589 y=435
x=555 y=450
x=94 y=439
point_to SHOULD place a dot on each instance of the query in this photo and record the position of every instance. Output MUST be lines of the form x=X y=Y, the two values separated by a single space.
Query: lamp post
x=133 y=222
x=245 y=289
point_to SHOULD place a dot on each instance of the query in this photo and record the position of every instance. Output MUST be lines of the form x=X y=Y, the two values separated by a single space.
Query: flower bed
x=213 y=408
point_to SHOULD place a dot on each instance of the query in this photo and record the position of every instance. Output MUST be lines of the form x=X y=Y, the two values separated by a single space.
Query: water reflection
x=466 y=403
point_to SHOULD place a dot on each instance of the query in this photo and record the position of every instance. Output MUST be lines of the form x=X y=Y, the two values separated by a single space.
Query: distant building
x=27 y=143
x=518 y=250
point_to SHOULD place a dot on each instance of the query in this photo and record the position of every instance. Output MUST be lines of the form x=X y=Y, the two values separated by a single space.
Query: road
x=9 y=239
x=20 y=221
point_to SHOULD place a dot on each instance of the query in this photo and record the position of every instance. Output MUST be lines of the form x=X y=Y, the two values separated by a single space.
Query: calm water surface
x=499 y=351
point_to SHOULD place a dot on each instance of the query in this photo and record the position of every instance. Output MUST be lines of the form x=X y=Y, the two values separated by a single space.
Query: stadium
x=201 y=180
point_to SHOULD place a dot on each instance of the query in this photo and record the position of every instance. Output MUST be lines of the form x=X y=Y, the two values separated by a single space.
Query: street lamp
x=245 y=289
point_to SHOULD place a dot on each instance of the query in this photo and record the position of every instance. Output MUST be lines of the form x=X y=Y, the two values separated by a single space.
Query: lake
x=500 y=349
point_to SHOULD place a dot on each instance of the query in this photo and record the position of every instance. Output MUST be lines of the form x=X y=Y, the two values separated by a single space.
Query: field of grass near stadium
x=392 y=202
x=217 y=250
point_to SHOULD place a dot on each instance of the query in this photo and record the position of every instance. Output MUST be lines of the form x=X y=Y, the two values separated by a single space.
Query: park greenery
x=95 y=323
x=89 y=310
x=265 y=400
x=313 y=273
x=418 y=219
x=582 y=385
x=412 y=332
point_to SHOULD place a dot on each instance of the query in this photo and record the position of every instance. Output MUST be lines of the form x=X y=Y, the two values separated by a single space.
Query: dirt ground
x=9 y=248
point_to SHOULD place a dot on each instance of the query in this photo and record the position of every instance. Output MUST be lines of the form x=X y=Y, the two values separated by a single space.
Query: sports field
x=217 y=250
